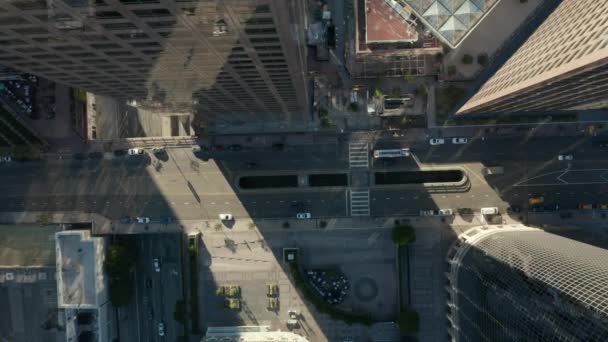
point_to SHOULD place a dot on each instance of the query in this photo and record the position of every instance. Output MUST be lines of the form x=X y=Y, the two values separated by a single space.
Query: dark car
x=537 y=209
x=515 y=208
x=299 y=206
x=388 y=161
x=601 y=143
x=166 y=219
x=252 y=165
x=95 y=155
x=235 y=147
x=120 y=153
x=126 y=220
x=79 y=156
x=552 y=207
x=278 y=147
x=465 y=211
x=148 y=283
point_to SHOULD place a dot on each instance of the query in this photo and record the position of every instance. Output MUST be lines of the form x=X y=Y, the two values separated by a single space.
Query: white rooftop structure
x=81 y=286
x=80 y=278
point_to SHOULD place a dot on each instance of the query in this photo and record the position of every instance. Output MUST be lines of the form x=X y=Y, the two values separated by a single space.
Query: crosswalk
x=359 y=203
x=358 y=155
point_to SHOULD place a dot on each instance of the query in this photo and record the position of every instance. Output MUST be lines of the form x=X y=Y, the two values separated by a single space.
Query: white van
x=489 y=211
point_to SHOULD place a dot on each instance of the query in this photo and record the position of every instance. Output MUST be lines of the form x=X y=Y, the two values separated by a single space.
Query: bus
x=393 y=153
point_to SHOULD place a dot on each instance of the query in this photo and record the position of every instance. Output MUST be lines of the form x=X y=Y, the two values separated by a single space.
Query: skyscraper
x=562 y=65
x=226 y=60
x=517 y=283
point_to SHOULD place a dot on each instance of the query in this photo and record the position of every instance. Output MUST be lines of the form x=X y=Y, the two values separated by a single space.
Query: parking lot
x=252 y=265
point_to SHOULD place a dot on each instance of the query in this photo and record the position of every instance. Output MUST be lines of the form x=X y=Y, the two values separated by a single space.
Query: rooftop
x=386 y=24
x=450 y=20
x=80 y=279
x=27 y=245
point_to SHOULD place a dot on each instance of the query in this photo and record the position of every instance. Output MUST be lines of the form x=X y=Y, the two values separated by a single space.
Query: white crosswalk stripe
x=358 y=155
x=359 y=203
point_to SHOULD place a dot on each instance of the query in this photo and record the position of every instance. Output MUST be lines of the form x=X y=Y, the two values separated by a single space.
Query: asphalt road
x=188 y=187
x=157 y=292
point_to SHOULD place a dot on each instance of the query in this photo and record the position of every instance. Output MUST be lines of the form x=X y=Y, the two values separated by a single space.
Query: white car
x=445 y=212
x=161 y=329
x=143 y=220
x=303 y=216
x=436 y=141
x=156 y=265
x=136 y=151
x=427 y=213
x=226 y=217
x=5 y=159
x=459 y=141
x=565 y=157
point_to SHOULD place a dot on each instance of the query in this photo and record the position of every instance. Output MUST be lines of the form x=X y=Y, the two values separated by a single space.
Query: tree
x=467 y=59
x=482 y=59
x=408 y=322
x=353 y=107
x=403 y=235
x=452 y=70
x=117 y=265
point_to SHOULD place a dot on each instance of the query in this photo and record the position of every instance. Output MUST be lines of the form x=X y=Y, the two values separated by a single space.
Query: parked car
x=161 y=329
x=196 y=148
x=303 y=216
x=226 y=217
x=143 y=219
x=5 y=159
x=466 y=211
x=537 y=208
x=126 y=219
x=95 y=155
x=460 y=141
x=278 y=146
x=158 y=150
x=427 y=213
x=156 y=264
x=515 y=208
x=585 y=206
x=136 y=151
x=79 y=156
x=436 y=141
x=445 y=212
x=119 y=153
x=166 y=219
x=235 y=147
x=562 y=157
x=536 y=200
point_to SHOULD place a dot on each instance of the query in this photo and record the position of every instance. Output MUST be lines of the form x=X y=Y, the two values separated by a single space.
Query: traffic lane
x=296 y=158
x=390 y=202
x=318 y=203
x=567 y=196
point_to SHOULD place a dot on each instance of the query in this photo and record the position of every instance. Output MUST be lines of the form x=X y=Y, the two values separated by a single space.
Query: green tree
x=467 y=59
x=482 y=59
x=118 y=264
x=408 y=322
x=403 y=235
x=452 y=70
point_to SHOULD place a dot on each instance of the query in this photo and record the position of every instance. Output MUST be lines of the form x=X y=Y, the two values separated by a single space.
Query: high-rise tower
x=227 y=60
x=517 y=283
x=562 y=65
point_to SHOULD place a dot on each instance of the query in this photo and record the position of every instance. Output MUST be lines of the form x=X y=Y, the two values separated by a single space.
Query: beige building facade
x=226 y=61
x=562 y=65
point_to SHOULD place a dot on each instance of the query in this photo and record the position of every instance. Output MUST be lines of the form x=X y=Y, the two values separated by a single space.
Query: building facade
x=562 y=65
x=515 y=283
x=232 y=61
